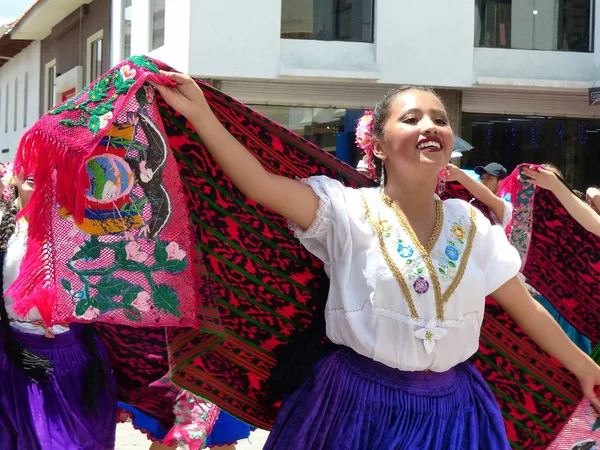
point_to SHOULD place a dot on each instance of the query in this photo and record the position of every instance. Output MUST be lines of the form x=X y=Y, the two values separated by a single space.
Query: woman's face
x=25 y=186
x=417 y=135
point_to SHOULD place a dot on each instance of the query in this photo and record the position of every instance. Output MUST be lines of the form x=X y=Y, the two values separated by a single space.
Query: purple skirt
x=50 y=414
x=354 y=403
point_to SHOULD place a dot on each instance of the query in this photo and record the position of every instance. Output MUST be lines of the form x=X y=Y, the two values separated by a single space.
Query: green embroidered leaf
x=133 y=314
x=143 y=61
x=120 y=84
x=140 y=96
x=596 y=425
x=461 y=241
x=66 y=284
x=160 y=252
x=82 y=306
x=101 y=109
x=442 y=271
x=166 y=300
x=97 y=94
x=451 y=264
x=69 y=123
x=409 y=261
x=131 y=294
x=94 y=124
x=452 y=243
x=110 y=287
x=120 y=252
x=89 y=250
x=420 y=270
x=175 y=265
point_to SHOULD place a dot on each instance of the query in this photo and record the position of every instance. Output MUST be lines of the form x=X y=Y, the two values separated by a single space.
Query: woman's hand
x=541 y=177
x=590 y=384
x=453 y=173
x=186 y=97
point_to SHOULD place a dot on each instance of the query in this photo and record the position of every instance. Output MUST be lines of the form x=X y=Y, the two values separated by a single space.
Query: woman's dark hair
x=383 y=110
x=34 y=366
x=553 y=168
x=580 y=195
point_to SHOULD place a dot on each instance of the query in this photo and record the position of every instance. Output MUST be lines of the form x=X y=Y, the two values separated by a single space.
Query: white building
x=19 y=91
x=514 y=74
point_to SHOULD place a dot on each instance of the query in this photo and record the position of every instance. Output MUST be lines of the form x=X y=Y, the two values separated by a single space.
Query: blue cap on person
x=494 y=169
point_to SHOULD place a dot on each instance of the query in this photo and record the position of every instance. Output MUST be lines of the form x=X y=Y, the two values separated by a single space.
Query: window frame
x=25 y=97
x=99 y=35
x=16 y=115
x=337 y=7
x=123 y=55
x=151 y=46
x=591 y=44
x=50 y=65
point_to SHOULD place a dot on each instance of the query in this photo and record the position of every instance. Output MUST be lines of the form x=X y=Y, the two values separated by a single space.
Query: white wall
x=426 y=42
x=28 y=61
x=535 y=65
x=238 y=38
x=233 y=38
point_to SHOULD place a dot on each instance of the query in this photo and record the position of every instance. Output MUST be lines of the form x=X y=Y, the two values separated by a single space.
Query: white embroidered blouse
x=390 y=299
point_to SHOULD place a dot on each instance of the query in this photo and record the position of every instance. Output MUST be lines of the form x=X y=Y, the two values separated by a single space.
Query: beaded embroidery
x=417 y=255
x=455 y=246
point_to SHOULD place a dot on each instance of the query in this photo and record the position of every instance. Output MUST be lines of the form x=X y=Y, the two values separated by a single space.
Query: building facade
x=514 y=74
x=74 y=37
x=19 y=90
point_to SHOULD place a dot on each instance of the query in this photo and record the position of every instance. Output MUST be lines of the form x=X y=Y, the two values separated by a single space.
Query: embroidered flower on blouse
x=386 y=226
x=459 y=231
x=452 y=253
x=430 y=334
x=421 y=285
x=406 y=251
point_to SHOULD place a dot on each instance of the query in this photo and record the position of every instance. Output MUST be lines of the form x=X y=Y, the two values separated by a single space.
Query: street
x=128 y=438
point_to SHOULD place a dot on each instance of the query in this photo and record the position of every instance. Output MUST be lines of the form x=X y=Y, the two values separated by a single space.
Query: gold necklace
x=440 y=298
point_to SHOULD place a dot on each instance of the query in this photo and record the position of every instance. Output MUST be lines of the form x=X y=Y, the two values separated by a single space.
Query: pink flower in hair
x=364 y=140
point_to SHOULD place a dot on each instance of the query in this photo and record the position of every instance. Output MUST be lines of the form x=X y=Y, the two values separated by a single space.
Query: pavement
x=128 y=438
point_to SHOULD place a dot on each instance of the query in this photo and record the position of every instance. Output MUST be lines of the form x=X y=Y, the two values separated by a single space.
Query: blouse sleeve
x=501 y=261
x=327 y=235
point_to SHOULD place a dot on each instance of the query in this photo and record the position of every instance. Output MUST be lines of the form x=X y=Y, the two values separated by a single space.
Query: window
x=560 y=25
x=49 y=87
x=6 y=110
x=317 y=125
x=16 y=104
x=327 y=20
x=127 y=12
x=569 y=143
x=25 y=98
x=157 y=21
x=95 y=59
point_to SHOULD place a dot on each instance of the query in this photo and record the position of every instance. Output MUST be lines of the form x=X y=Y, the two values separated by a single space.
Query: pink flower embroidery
x=174 y=252
x=105 y=118
x=142 y=301
x=149 y=93
x=128 y=236
x=90 y=314
x=127 y=72
x=134 y=253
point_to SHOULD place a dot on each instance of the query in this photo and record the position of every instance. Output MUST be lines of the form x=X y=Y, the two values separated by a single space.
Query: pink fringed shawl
x=109 y=235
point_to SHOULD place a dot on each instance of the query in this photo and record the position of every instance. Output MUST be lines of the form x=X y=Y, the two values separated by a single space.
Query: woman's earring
x=441 y=187
x=382 y=177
